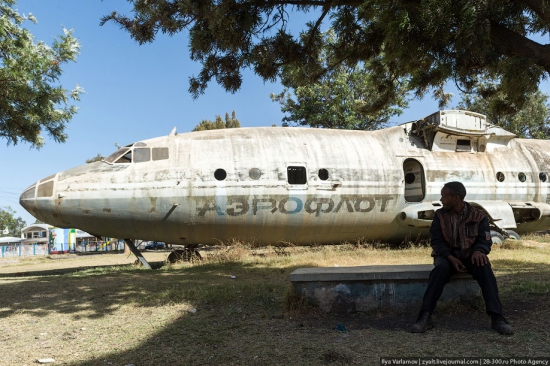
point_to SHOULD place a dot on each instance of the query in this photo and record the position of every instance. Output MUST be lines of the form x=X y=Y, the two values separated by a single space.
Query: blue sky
x=132 y=93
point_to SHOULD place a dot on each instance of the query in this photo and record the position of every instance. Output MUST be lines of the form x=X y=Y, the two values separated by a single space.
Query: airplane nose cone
x=38 y=199
x=27 y=199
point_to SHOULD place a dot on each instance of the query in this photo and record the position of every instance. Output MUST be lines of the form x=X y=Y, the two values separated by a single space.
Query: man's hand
x=456 y=263
x=479 y=259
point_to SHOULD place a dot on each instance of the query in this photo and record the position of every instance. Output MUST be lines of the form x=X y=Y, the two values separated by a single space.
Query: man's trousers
x=441 y=274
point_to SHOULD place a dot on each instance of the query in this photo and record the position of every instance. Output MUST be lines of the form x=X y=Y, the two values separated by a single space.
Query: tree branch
x=540 y=8
x=512 y=44
x=323 y=3
x=316 y=27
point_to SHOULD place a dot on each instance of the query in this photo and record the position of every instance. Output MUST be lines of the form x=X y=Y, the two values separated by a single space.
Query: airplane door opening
x=415 y=183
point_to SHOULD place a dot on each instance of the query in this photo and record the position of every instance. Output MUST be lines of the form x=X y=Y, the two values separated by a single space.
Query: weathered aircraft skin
x=303 y=186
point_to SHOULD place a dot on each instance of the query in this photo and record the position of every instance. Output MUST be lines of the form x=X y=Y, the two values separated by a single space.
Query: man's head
x=452 y=196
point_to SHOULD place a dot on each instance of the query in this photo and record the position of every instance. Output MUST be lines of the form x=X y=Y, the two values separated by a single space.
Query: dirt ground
x=202 y=316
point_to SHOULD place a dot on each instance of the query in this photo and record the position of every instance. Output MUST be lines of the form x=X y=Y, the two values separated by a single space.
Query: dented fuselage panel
x=303 y=186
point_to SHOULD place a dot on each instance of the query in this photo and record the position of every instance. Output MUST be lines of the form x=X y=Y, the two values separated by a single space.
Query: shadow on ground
x=229 y=328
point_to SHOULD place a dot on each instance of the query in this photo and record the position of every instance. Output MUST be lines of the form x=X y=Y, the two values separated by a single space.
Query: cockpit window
x=126 y=155
x=142 y=154
x=125 y=159
x=122 y=155
x=160 y=153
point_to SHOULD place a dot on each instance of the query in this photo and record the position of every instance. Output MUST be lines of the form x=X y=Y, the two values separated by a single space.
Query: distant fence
x=29 y=250
x=98 y=247
x=23 y=250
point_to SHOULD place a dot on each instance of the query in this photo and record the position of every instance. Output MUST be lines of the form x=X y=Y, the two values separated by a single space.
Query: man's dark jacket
x=475 y=231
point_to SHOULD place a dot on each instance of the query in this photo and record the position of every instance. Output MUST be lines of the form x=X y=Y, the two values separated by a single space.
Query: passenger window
x=160 y=153
x=323 y=174
x=142 y=154
x=255 y=173
x=296 y=175
x=220 y=174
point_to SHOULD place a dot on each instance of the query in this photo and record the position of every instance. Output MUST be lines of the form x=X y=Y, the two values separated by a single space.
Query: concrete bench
x=366 y=288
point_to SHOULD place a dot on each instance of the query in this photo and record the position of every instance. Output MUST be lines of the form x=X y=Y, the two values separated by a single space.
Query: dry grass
x=70 y=262
x=114 y=313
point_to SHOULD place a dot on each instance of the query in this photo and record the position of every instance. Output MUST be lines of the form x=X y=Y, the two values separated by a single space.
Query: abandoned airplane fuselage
x=303 y=186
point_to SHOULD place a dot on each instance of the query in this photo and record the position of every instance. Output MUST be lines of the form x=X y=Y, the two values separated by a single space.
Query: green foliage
x=30 y=100
x=427 y=42
x=532 y=120
x=9 y=224
x=230 y=122
x=98 y=157
x=342 y=98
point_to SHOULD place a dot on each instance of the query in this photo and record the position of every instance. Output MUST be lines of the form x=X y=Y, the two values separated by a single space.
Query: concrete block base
x=366 y=288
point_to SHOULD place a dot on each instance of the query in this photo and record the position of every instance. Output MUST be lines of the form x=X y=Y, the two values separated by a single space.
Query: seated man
x=461 y=240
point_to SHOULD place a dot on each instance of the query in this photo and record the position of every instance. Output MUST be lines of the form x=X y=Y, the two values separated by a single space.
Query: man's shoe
x=500 y=324
x=423 y=323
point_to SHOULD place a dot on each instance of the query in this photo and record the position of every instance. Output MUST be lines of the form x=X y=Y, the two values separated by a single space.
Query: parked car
x=154 y=245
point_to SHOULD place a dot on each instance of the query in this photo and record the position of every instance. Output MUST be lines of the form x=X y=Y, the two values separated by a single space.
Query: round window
x=323 y=174
x=410 y=178
x=220 y=174
x=255 y=173
x=542 y=176
x=522 y=177
x=500 y=176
